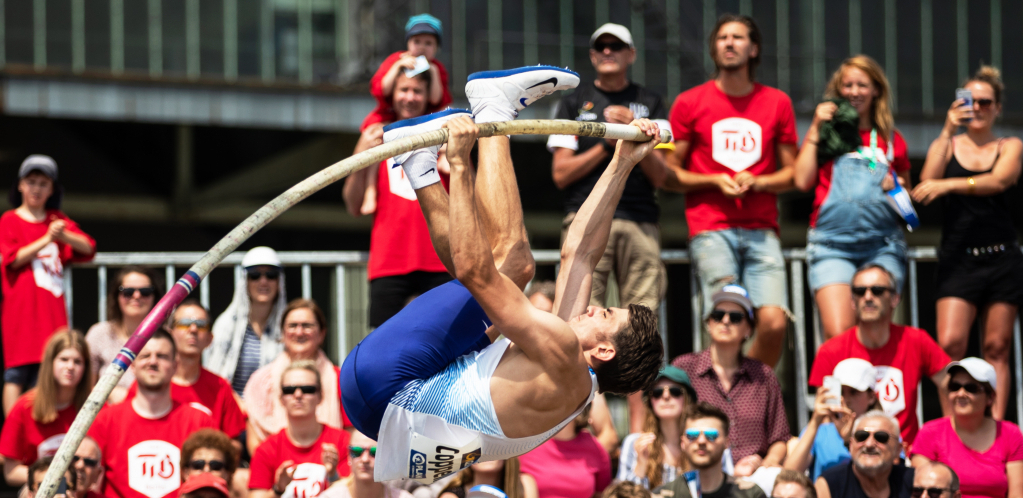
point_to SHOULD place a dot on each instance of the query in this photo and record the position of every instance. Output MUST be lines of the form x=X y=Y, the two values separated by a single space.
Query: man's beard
x=152 y=388
x=873 y=470
x=714 y=461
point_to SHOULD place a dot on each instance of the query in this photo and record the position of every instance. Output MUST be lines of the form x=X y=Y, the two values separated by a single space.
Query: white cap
x=856 y=373
x=980 y=370
x=615 y=30
x=261 y=255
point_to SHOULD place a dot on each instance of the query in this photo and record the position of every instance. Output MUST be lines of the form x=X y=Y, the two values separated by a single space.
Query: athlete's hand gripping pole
x=266 y=214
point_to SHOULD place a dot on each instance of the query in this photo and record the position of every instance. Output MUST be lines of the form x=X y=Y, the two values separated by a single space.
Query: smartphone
x=834 y=387
x=62 y=487
x=422 y=65
x=967 y=96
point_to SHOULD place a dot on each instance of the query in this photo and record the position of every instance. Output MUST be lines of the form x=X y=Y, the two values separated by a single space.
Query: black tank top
x=975 y=220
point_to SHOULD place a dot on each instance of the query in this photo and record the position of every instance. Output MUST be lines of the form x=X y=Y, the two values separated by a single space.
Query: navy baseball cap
x=423 y=24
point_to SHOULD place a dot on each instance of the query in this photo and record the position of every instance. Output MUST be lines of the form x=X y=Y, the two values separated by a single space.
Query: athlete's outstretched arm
x=589 y=232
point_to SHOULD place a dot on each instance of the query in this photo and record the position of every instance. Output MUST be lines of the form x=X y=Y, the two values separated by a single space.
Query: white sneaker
x=420 y=165
x=499 y=95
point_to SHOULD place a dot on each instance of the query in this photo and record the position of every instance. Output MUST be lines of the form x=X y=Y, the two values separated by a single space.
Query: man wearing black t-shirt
x=633 y=250
x=872 y=472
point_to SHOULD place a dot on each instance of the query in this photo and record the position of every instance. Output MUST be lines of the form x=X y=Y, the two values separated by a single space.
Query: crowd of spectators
x=249 y=404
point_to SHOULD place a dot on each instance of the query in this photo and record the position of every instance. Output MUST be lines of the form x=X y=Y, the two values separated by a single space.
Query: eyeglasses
x=971 y=387
x=215 y=465
x=674 y=391
x=984 y=103
x=876 y=290
x=694 y=434
x=356 y=451
x=614 y=46
x=931 y=492
x=185 y=323
x=735 y=317
x=304 y=389
x=89 y=462
x=881 y=437
x=129 y=292
x=254 y=274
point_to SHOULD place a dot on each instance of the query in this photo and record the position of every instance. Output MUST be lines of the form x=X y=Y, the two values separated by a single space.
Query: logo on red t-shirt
x=153 y=468
x=48 y=271
x=309 y=480
x=737 y=143
x=891 y=389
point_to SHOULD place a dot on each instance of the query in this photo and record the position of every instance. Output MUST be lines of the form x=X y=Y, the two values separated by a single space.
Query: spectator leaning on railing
x=852 y=223
x=987 y=453
x=901 y=354
x=36 y=240
x=735 y=144
x=980 y=266
x=132 y=294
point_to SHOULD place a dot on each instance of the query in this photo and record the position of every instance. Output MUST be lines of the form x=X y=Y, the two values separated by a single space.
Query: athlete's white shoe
x=420 y=165
x=499 y=95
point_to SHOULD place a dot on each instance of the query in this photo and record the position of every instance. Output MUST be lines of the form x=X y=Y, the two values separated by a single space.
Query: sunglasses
x=215 y=465
x=694 y=434
x=185 y=323
x=931 y=492
x=735 y=317
x=971 y=387
x=674 y=391
x=356 y=451
x=881 y=437
x=876 y=290
x=304 y=389
x=89 y=462
x=129 y=292
x=614 y=46
x=984 y=103
x=269 y=274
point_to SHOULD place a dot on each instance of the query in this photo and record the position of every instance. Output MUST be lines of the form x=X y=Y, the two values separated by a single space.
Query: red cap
x=204 y=480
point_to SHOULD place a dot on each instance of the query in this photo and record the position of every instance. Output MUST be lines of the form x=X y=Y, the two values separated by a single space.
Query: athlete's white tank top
x=434 y=427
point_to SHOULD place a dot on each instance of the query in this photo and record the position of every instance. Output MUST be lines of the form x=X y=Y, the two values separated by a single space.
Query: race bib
x=309 y=480
x=48 y=271
x=153 y=468
x=737 y=143
x=430 y=461
x=891 y=390
x=398 y=182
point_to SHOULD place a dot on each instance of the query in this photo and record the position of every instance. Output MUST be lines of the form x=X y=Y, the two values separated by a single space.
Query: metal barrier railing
x=350 y=266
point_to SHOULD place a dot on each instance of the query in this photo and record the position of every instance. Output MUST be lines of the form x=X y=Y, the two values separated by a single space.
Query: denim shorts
x=832 y=263
x=22 y=375
x=749 y=257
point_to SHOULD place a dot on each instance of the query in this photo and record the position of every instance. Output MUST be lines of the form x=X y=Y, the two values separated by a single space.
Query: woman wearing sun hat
x=746 y=389
x=987 y=454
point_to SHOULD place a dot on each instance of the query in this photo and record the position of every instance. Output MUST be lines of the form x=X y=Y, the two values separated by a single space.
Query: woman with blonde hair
x=42 y=416
x=655 y=457
x=503 y=474
x=979 y=263
x=852 y=223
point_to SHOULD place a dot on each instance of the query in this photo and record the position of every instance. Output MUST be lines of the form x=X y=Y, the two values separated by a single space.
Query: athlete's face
x=425 y=45
x=599 y=325
x=68 y=368
x=608 y=60
x=732 y=47
x=302 y=335
x=191 y=330
x=409 y=97
x=858 y=89
x=155 y=365
x=35 y=188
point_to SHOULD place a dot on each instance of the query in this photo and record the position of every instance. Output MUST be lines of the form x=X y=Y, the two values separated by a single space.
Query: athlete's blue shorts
x=420 y=341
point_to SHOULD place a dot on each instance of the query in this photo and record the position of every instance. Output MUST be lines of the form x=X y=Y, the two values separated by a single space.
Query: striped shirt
x=248 y=361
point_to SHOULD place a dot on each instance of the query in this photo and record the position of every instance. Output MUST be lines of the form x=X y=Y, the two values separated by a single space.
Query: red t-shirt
x=579 y=468
x=33 y=306
x=141 y=456
x=25 y=440
x=310 y=474
x=213 y=392
x=400 y=242
x=729 y=135
x=900 y=163
x=908 y=356
x=384 y=112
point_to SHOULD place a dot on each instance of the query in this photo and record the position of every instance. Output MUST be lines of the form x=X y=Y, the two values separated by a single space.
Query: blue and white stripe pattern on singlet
x=460 y=394
x=248 y=361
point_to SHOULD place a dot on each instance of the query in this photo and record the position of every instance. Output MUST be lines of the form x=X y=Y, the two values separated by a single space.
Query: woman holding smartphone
x=979 y=261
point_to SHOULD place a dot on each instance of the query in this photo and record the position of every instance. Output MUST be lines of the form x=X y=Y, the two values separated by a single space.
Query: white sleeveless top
x=438 y=426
